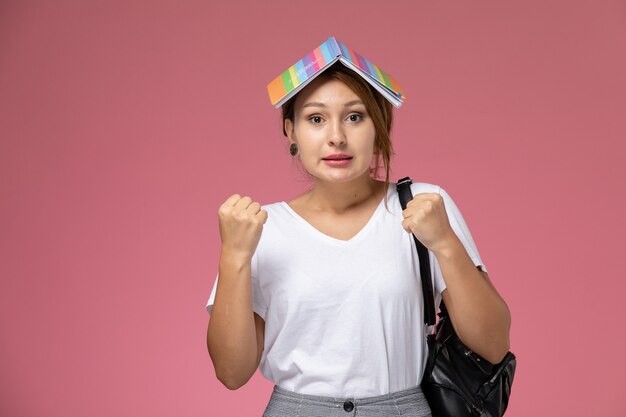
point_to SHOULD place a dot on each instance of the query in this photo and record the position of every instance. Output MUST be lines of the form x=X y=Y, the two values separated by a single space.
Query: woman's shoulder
x=417 y=187
x=278 y=212
x=271 y=207
x=424 y=187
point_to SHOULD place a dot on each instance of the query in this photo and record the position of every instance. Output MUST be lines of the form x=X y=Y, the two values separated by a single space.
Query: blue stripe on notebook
x=300 y=72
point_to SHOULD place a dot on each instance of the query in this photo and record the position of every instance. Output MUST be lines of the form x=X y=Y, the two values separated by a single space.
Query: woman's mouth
x=337 y=162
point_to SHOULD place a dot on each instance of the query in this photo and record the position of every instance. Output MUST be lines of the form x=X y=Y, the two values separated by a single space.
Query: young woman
x=323 y=291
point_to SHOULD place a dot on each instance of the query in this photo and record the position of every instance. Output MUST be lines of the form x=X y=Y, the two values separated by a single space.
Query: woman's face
x=331 y=119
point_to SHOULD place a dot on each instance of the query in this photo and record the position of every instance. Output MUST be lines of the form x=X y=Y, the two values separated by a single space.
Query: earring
x=293 y=149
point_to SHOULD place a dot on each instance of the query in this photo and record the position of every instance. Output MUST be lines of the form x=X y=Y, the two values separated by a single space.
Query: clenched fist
x=241 y=223
x=425 y=216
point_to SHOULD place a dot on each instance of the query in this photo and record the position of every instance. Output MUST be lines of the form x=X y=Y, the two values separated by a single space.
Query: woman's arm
x=233 y=337
x=232 y=333
x=479 y=315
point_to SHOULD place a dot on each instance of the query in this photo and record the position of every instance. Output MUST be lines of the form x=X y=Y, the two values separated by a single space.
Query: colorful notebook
x=292 y=80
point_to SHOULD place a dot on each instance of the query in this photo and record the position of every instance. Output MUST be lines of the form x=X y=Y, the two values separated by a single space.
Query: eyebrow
x=348 y=104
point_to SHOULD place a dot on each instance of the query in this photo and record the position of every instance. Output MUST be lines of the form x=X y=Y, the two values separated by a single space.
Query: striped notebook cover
x=294 y=78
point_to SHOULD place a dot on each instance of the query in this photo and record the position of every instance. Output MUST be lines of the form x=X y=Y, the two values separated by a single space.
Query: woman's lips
x=338 y=162
x=337 y=156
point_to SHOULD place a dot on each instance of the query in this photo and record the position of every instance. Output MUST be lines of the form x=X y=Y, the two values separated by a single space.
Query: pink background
x=124 y=126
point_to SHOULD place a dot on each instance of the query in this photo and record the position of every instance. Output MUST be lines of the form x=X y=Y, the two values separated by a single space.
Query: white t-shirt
x=344 y=318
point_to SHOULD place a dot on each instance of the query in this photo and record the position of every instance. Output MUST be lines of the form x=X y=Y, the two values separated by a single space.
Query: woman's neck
x=339 y=197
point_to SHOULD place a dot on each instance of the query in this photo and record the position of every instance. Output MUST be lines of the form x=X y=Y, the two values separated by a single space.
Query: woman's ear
x=289 y=129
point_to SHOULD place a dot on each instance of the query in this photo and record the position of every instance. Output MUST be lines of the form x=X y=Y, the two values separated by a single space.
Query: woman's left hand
x=425 y=216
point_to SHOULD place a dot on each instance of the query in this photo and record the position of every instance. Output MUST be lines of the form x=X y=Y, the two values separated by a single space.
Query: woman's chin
x=341 y=176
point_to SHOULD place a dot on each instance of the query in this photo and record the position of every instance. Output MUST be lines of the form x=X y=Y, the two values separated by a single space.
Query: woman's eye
x=355 y=117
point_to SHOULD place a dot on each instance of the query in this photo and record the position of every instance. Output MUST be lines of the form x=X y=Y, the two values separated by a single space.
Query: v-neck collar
x=336 y=241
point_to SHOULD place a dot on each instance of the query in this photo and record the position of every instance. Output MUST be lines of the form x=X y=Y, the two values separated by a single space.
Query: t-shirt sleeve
x=258 y=302
x=462 y=231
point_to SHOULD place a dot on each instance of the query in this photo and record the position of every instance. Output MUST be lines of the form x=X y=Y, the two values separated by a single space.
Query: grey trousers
x=406 y=403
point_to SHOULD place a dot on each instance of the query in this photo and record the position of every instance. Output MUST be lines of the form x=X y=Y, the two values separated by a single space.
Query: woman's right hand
x=241 y=223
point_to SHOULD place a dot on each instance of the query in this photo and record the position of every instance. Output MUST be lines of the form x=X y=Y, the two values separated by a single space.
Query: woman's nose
x=337 y=136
